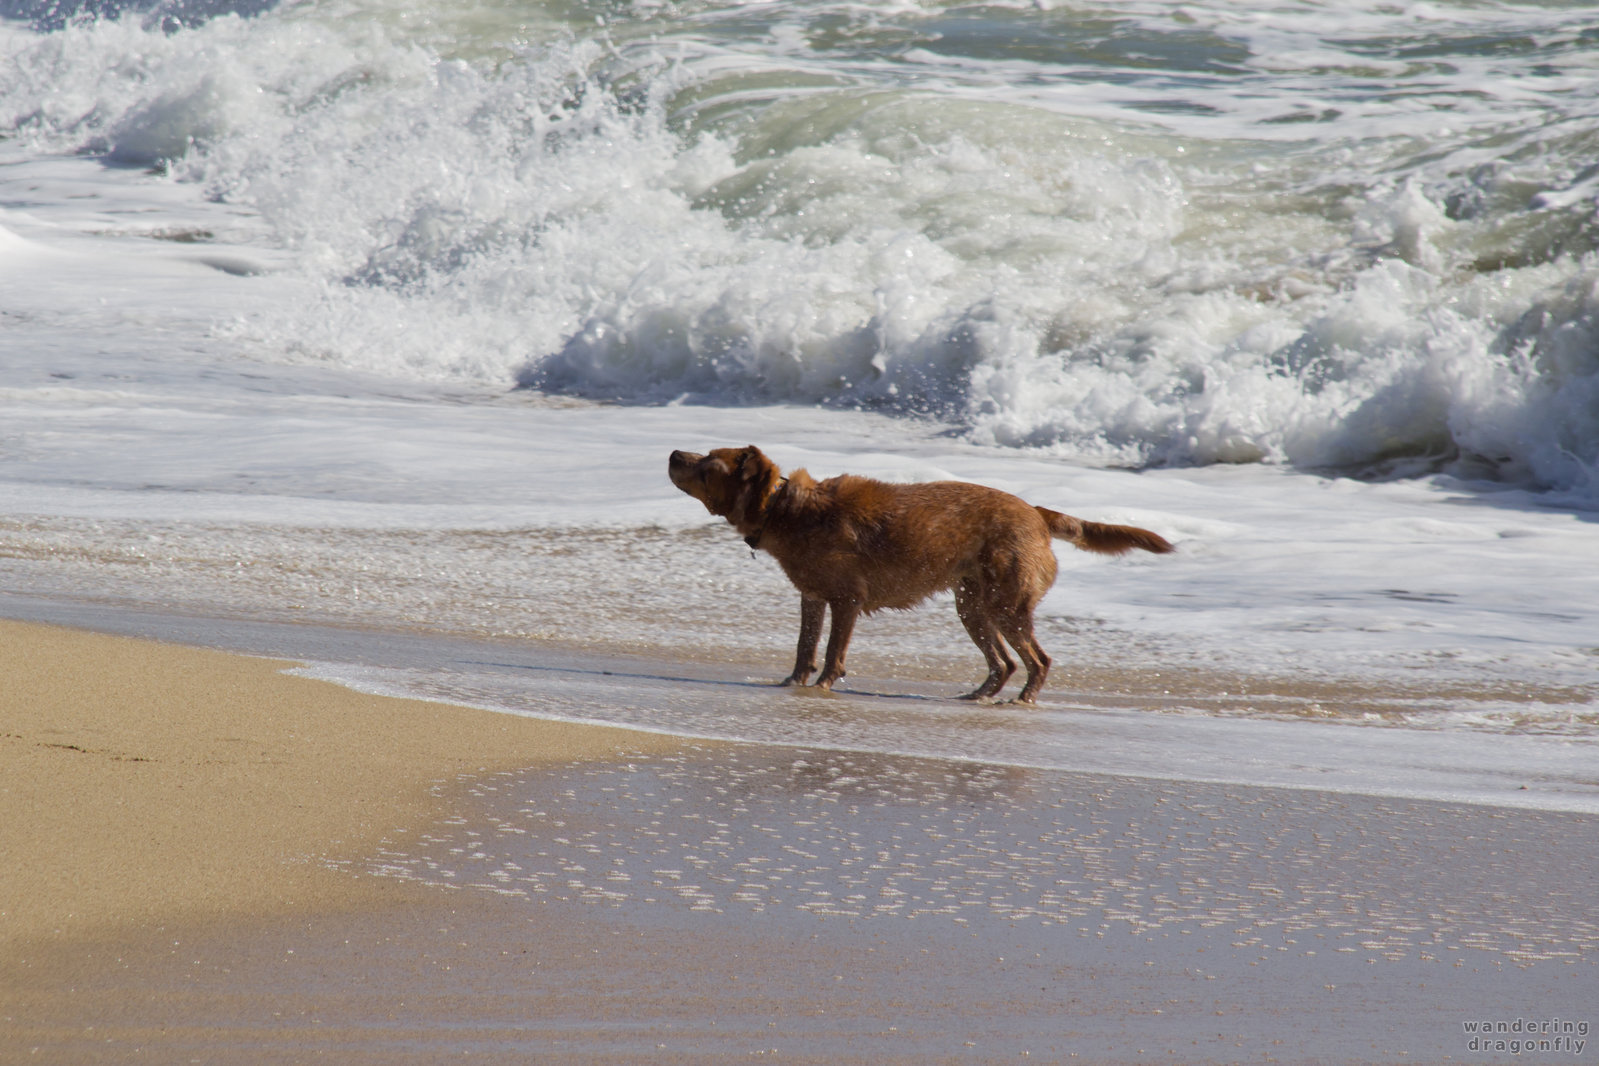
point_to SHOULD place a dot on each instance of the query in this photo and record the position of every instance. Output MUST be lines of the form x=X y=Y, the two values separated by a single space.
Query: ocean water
x=387 y=315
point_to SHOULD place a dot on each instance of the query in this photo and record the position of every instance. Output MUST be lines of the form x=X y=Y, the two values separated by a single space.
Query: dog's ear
x=749 y=455
x=758 y=477
x=755 y=467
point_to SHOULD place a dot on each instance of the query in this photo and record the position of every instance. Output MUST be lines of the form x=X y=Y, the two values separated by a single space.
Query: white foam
x=1007 y=243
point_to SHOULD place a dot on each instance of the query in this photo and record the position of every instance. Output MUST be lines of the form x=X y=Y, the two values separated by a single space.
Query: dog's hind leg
x=811 y=612
x=1017 y=626
x=980 y=625
x=844 y=615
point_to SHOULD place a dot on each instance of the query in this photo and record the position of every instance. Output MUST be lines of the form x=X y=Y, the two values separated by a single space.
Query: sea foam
x=1023 y=241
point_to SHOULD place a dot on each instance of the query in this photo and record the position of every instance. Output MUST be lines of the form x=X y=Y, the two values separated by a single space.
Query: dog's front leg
x=844 y=615
x=811 y=612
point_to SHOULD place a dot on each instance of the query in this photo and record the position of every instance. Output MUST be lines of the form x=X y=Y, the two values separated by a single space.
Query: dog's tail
x=1103 y=538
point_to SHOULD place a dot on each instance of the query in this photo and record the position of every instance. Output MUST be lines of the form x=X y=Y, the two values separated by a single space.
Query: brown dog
x=857 y=545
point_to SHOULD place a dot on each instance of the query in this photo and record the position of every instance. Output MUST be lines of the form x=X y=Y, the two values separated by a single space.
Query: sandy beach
x=209 y=860
x=162 y=783
x=155 y=792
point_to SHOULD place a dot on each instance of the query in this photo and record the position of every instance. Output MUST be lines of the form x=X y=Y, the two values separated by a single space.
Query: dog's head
x=735 y=483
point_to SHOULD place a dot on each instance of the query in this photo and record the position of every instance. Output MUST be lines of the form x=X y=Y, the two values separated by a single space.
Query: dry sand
x=145 y=784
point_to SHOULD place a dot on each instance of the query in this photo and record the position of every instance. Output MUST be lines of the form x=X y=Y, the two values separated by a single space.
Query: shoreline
x=1088 y=722
x=297 y=870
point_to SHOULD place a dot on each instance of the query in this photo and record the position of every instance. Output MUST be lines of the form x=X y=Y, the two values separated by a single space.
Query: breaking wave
x=1360 y=238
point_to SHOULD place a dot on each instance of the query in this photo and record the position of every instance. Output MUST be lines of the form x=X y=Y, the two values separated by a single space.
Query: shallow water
x=801 y=834
x=1317 y=738
x=932 y=907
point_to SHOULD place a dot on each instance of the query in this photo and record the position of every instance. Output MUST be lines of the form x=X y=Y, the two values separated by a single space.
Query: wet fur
x=853 y=545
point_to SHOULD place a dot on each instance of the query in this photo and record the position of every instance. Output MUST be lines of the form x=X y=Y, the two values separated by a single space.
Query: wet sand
x=194 y=846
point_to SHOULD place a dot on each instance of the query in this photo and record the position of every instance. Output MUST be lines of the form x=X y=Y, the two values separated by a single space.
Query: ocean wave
x=1160 y=240
x=168 y=16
